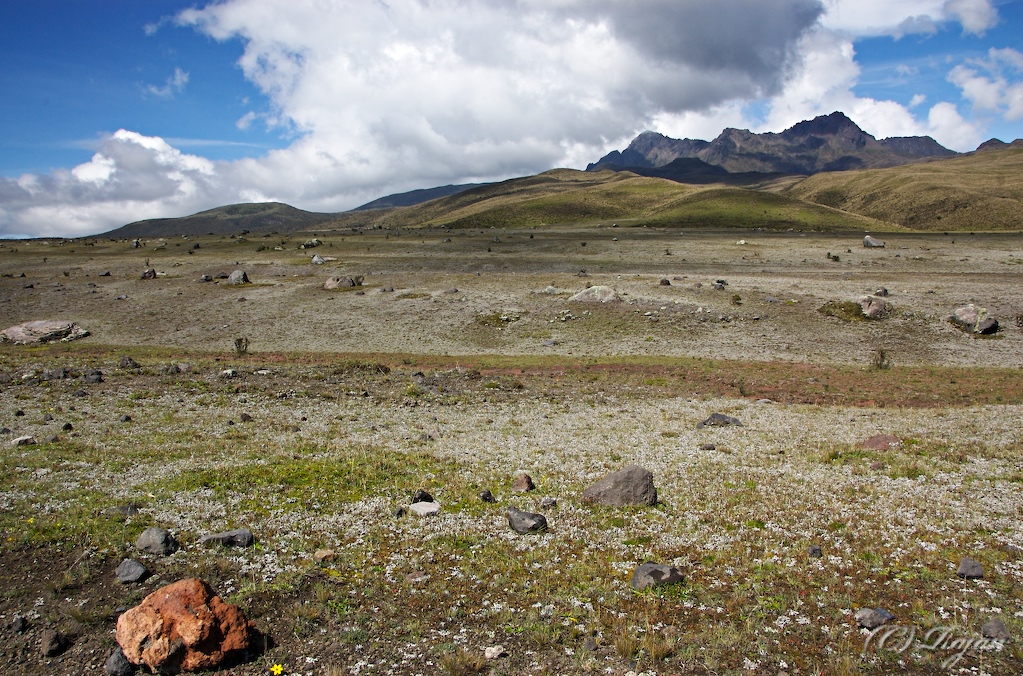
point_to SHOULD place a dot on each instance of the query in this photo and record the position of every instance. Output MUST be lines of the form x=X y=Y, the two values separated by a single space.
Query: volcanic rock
x=632 y=485
x=184 y=626
x=526 y=522
x=654 y=575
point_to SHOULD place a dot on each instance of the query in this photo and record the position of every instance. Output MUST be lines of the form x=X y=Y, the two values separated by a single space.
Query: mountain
x=982 y=190
x=261 y=217
x=826 y=143
x=413 y=197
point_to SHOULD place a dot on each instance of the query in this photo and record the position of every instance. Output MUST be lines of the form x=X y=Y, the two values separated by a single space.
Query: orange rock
x=184 y=626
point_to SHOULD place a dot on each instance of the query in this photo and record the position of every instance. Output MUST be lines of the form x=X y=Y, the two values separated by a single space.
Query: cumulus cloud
x=175 y=84
x=993 y=84
x=130 y=177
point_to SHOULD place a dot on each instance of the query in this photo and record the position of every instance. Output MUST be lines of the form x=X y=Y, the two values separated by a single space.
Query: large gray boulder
x=654 y=575
x=241 y=537
x=42 y=331
x=155 y=540
x=872 y=243
x=876 y=307
x=238 y=277
x=526 y=522
x=632 y=485
x=973 y=319
x=596 y=294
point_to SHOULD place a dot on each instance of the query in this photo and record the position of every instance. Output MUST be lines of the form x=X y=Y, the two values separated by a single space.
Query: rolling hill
x=982 y=190
x=232 y=219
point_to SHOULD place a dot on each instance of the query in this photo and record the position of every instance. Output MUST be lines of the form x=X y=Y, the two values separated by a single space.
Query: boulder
x=995 y=629
x=159 y=541
x=872 y=243
x=130 y=570
x=184 y=626
x=118 y=665
x=872 y=618
x=632 y=485
x=42 y=331
x=425 y=508
x=876 y=307
x=317 y=260
x=241 y=537
x=238 y=277
x=654 y=575
x=52 y=643
x=881 y=442
x=974 y=320
x=421 y=496
x=970 y=569
x=719 y=420
x=344 y=282
x=596 y=294
x=522 y=483
x=526 y=522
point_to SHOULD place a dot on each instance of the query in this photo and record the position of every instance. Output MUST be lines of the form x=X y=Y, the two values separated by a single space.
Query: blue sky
x=116 y=110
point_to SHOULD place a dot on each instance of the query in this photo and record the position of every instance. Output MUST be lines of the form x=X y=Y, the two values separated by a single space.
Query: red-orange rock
x=184 y=626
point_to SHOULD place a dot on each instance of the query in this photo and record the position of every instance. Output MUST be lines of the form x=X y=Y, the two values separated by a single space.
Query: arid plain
x=310 y=416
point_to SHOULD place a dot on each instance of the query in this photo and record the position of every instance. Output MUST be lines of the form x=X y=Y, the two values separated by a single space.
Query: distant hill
x=982 y=190
x=826 y=143
x=413 y=197
x=566 y=197
x=232 y=219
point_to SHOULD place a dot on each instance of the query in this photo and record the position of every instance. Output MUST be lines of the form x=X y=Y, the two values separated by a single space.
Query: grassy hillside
x=565 y=196
x=230 y=219
x=980 y=191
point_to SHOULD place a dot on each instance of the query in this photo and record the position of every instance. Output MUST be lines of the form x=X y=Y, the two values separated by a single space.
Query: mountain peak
x=825 y=143
x=823 y=125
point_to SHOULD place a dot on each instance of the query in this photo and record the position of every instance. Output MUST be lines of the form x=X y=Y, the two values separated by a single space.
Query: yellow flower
x=276 y=670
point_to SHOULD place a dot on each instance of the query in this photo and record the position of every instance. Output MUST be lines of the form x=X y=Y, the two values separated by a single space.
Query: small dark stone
x=526 y=522
x=67 y=427
x=590 y=645
x=654 y=575
x=5 y=430
x=125 y=418
x=19 y=624
x=118 y=665
x=51 y=643
x=970 y=569
x=522 y=483
x=130 y=570
x=240 y=537
x=48 y=418
x=245 y=417
x=19 y=413
x=995 y=629
x=400 y=512
x=421 y=496
x=708 y=447
x=487 y=496
x=128 y=363
x=665 y=282
x=872 y=618
x=719 y=420
x=815 y=551
x=129 y=509
x=548 y=503
x=157 y=541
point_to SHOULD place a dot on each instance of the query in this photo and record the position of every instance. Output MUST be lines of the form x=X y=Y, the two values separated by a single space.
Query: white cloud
x=175 y=84
x=905 y=17
x=976 y=16
x=993 y=84
x=131 y=177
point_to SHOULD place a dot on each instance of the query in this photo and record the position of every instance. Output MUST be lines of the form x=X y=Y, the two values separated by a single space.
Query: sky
x=113 y=111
